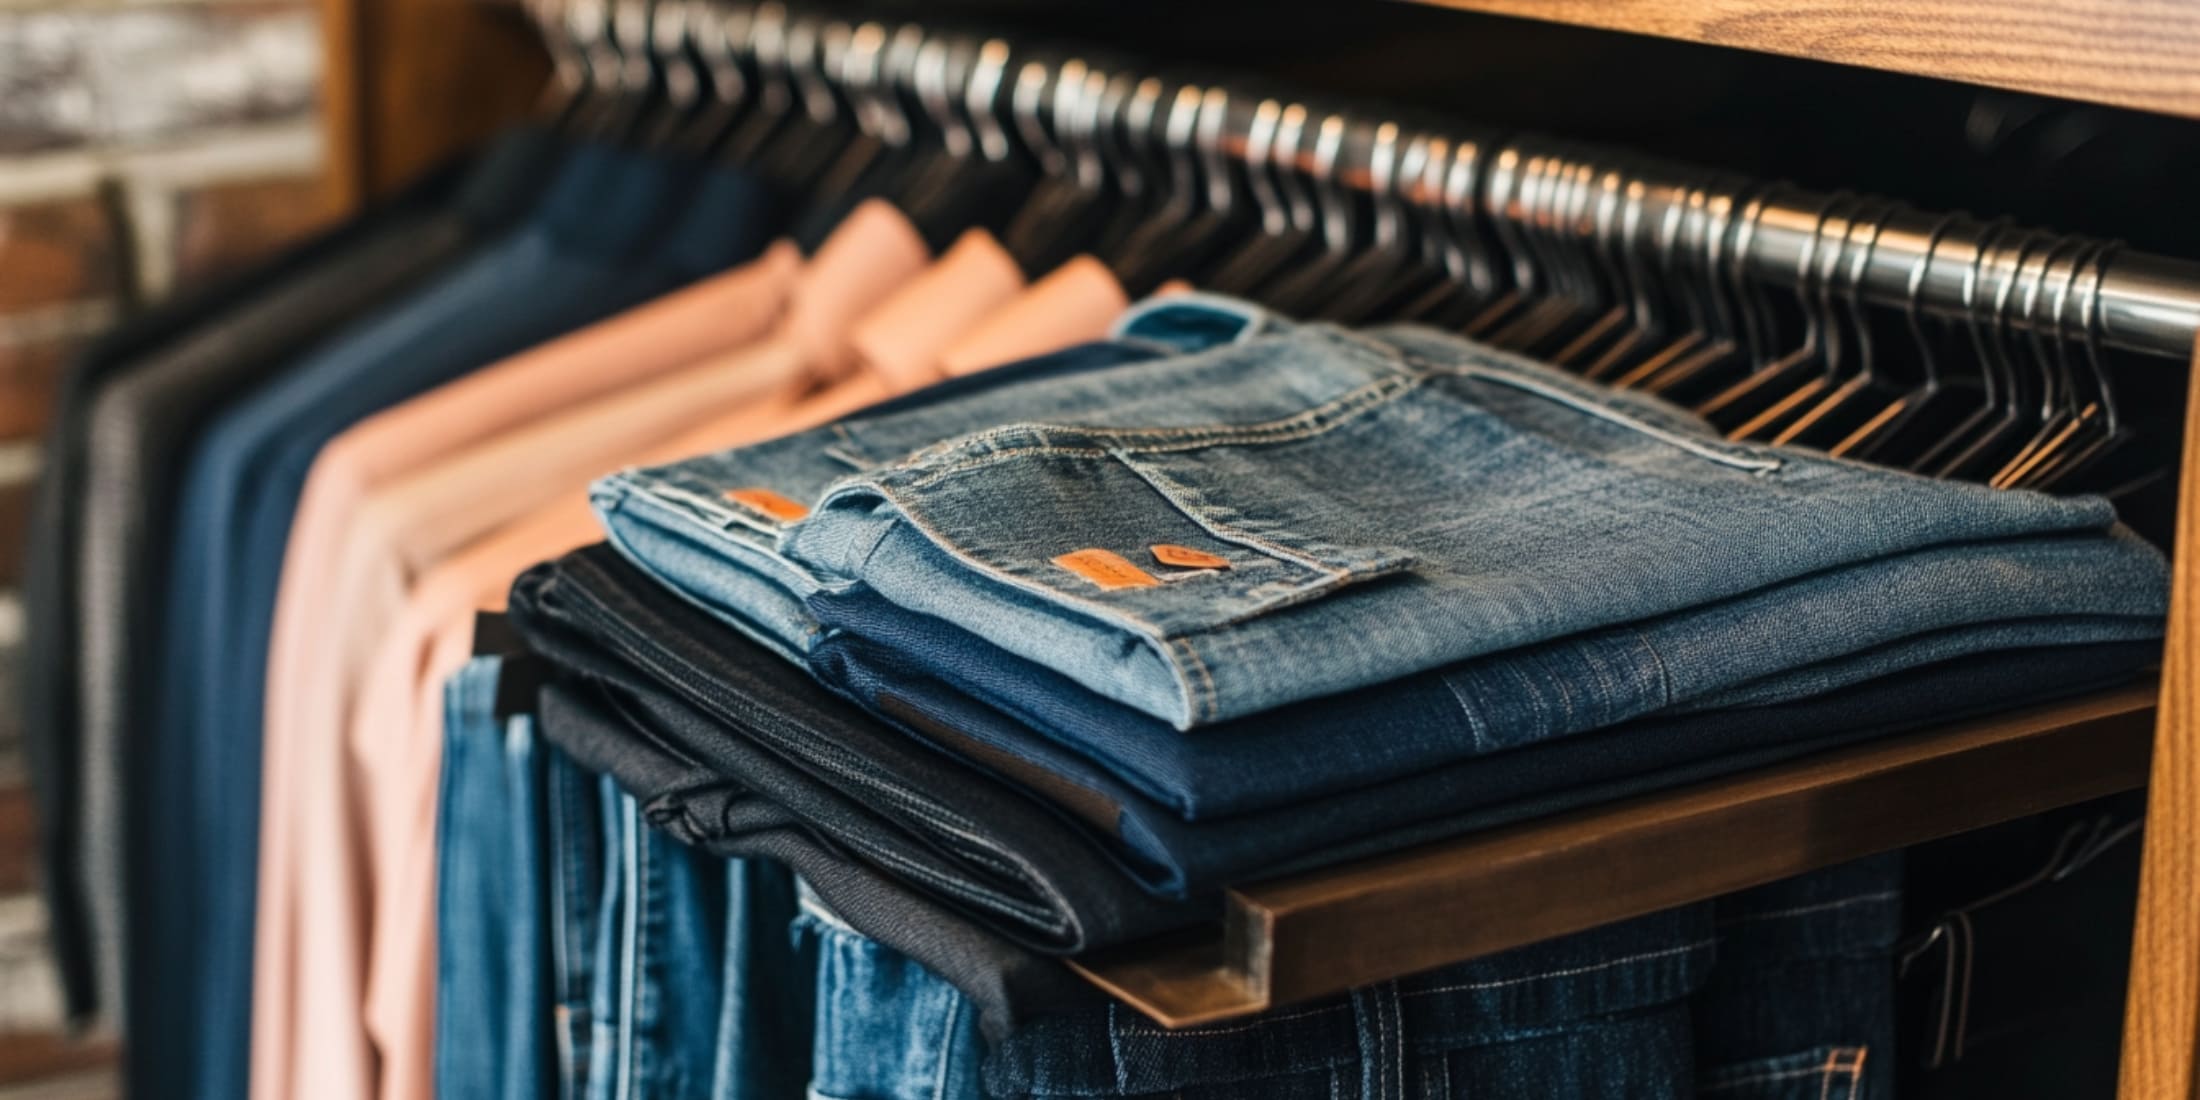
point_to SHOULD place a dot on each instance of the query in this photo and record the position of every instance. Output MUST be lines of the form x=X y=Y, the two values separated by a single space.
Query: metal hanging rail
x=1005 y=90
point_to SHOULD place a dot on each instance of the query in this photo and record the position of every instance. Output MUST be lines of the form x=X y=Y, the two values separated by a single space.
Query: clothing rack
x=1947 y=265
x=1324 y=931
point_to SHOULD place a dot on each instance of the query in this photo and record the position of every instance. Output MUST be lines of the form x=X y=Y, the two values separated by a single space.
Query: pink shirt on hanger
x=322 y=1044
x=419 y=521
x=307 y=646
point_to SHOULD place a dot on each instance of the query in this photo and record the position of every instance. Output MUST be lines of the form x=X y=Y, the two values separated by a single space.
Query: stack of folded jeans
x=1228 y=596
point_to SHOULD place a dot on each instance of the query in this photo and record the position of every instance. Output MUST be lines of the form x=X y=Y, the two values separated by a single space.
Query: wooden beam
x=2162 y=1012
x=410 y=82
x=2126 y=53
x=1327 y=931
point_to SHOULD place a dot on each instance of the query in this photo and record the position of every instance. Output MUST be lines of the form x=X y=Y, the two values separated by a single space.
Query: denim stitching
x=848 y=450
x=1394 y=1009
x=1497 y=373
x=1829 y=1070
x=1475 y=726
x=629 y=919
x=1093 y=607
x=1564 y=973
x=1382 y=1048
x=1317 y=421
x=1202 y=700
x=1614 y=416
x=1136 y=1026
x=947 y=1048
x=1115 y=1048
x=1176 y=495
x=1657 y=662
x=1805 y=910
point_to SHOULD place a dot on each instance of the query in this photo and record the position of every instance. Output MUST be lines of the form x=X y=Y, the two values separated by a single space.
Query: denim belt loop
x=1186 y=323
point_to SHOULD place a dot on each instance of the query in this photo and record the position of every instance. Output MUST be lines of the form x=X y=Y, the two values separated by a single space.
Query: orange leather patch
x=768 y=503
x=1106 y=568
x=1184 y=557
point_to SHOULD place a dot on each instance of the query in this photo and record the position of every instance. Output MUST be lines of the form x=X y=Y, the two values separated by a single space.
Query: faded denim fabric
x=768 y=988
x=492 y=1011
x=675 y=521
x=573 y=823
x=660 y=969
x=887 y=1028
x=1839 y=627
x=1381 y=503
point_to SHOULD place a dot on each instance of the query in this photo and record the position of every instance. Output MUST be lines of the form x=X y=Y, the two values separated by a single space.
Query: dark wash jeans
x=1781 y=991
x=494 y=904
x=1176 y=856
x=1049 y=869
x=1794 y=982
x=693 y=802
x=1523 y=698
x=977 y=844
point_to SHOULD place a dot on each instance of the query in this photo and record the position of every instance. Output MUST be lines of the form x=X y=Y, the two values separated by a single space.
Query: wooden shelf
x=1327 y=931
x=2126 y=53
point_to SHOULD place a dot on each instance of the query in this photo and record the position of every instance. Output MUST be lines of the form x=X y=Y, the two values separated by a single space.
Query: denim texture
x=573 y=827
x=1658 y=752
x=1304 y=459
x=660 y=966
x=768 y=989
x=673 y=521
x=1802 y=1001
x=1781 y=991
x=887 y=1028
x=1071 y=879
x=608 y=235
x=492 y=1011
x=1547 y=1020
x=1006 y=981
x=1603 y=1013
x=980 y=846
x=1855 y=625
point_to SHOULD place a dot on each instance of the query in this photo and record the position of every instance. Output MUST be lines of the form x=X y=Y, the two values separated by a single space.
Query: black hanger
x=1206 y=205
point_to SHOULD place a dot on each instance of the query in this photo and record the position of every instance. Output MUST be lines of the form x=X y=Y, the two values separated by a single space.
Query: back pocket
x=1063 y=516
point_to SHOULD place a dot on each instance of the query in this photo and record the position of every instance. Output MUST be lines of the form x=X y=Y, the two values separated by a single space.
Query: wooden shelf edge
x=2142 y=54
x=1324 y=932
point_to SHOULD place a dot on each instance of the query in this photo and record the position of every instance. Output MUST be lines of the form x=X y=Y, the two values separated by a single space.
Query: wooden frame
x=2162 y=1014
x=2143 y=54
x=409 y=82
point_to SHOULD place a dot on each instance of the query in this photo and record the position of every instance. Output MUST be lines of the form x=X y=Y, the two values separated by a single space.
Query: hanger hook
x=930 y=77
x=1913 y=296
x=1026 y=104
x=1214 y=120
x=982 y=99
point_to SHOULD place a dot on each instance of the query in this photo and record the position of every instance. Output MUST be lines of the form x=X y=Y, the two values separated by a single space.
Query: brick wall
x=145 y=145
